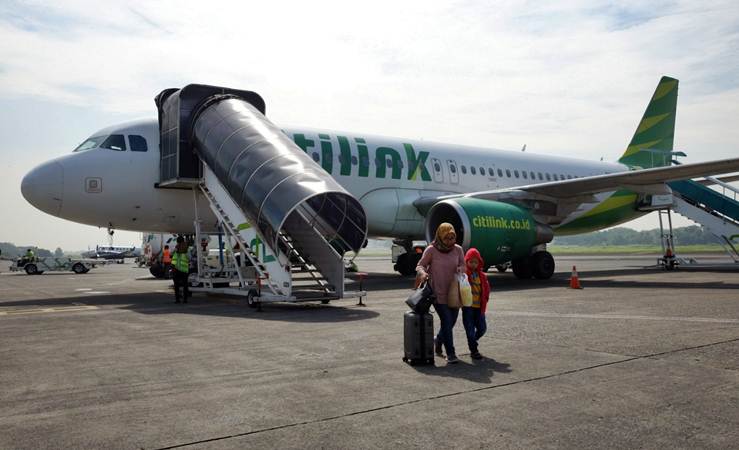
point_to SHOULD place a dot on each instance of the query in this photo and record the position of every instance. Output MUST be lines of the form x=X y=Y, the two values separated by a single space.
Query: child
x=473 y=317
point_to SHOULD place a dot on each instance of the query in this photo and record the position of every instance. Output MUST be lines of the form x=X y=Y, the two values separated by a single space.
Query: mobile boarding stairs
x=290 y=221
x=717 y=212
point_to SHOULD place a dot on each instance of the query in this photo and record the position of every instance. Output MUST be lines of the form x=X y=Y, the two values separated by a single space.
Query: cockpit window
x=115 y=142
x=92 y=142
x=138 y=143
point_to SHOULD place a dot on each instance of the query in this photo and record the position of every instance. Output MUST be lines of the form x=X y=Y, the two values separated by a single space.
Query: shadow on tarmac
x=161 y=303
x=478 y=371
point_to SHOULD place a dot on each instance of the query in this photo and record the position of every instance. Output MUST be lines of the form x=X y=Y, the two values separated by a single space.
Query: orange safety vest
x=166 y=256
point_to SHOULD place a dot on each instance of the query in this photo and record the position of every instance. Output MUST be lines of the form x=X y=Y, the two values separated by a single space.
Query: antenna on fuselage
x=523 y=149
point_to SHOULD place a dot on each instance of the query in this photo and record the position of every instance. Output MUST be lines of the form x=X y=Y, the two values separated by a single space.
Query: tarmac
x=640 y=358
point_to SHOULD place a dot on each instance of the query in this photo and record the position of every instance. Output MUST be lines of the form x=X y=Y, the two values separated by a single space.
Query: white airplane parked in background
x=112 y=252
x=508 y=204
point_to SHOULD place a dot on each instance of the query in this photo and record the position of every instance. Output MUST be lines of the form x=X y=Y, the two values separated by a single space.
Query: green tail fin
x=653 y=139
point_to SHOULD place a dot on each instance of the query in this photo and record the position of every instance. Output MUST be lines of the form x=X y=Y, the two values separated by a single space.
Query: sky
x=565 y=78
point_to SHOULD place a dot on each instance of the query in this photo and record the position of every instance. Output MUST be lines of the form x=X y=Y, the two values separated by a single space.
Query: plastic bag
x=465 y=290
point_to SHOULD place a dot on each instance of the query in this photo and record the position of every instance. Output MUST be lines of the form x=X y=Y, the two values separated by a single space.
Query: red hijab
x=484 y=284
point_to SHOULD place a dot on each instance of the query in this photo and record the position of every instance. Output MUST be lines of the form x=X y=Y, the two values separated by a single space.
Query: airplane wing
x=727 y=179
x=567 y=195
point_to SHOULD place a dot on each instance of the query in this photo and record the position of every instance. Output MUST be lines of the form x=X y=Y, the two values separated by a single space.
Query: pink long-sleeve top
x=441 y=267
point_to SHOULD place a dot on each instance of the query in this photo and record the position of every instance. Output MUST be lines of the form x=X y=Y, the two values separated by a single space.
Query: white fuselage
x=118 y=189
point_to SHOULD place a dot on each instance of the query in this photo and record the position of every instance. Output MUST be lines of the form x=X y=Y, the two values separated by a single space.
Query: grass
x=630 y=249
x=595 y=250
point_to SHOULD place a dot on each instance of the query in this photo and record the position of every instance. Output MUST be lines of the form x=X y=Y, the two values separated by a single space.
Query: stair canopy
x=271 y=179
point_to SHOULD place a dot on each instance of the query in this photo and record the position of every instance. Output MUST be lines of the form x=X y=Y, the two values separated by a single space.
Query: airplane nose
x=43 y=186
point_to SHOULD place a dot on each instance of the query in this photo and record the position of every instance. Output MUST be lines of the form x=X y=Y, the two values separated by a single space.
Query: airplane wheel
x=542 y=264
x=501 y=268
x=31 y=269
x=79 y=268
x=407 y=263
x=522 y=268
x=250 y=300
x=157 y=270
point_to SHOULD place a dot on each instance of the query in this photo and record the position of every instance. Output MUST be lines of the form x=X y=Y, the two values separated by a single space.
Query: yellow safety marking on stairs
x=17 y=311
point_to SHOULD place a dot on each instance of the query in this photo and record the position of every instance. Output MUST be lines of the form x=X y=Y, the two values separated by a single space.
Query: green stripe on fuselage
x=616 y=209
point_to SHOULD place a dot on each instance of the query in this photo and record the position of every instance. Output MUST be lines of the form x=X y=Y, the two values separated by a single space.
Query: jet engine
x=502 y=232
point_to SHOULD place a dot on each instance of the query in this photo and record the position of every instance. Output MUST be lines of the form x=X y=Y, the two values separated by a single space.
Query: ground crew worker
x=29 y=256
x=166 y=259
x=180 y=270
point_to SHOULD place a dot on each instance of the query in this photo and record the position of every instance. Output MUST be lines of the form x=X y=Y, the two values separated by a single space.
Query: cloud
x=504 y=69
x=569 y=77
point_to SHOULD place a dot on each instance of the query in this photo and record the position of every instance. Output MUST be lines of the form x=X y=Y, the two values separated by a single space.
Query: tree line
x=691 y=235
x=12 y=251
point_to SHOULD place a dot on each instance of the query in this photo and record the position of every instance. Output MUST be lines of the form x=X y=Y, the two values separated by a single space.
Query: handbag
x=454 y=299
x=421 y=299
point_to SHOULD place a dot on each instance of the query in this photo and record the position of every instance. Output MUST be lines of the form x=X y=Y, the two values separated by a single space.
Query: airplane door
x=438 y=174
x=453 y=174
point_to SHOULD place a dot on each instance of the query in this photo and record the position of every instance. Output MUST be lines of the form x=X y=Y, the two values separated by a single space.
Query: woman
x=440 y=262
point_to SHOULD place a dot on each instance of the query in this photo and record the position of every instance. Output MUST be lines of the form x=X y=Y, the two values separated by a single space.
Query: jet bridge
x=281 y=208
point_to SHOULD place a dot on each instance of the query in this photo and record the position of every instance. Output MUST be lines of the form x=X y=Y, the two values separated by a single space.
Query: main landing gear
x=405 y=263
x=539 y=265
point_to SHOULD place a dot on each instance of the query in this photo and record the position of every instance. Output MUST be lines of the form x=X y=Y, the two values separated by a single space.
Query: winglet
x=653 y=139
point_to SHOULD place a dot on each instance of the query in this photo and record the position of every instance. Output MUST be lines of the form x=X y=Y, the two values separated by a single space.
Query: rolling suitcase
x=418 y=334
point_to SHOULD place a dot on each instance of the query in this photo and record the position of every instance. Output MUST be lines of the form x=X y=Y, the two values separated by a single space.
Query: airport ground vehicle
x=38 y=266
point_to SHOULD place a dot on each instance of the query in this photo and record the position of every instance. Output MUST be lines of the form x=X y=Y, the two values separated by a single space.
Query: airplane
x=112 y=252
x=508 y=204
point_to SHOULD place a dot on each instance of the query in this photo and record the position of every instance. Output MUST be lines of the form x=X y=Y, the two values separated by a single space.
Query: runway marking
x=13 y=311
x=96 y=292
x=83 y=289
x=613 y=316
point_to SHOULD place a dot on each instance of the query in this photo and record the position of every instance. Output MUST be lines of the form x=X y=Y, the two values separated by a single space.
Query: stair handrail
x=724 y=185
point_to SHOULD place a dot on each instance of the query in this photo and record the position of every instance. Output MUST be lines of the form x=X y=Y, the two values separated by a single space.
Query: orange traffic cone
x=574 y=279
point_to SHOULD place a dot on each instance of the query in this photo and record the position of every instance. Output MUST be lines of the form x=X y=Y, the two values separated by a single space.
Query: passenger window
x=138 y=143
x=464 y=169
x=515 y=172
x=549 y=178
x=315 y=156
x=473 y=171
x=533 y=176
x=452 y=168
x=491 y=172
x=500 y=173
x=354 y=161
x=541 y=177
x=525 y=175
x=437 y=167
x=115 y=142
x=482 y=171
x=508 y=173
